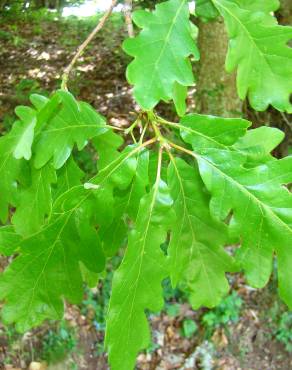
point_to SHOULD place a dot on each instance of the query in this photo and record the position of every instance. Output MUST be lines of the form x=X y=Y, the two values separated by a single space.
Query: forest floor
x=250 y=330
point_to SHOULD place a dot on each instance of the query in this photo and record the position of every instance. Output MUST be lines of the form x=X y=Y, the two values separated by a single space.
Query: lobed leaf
x=25 y=138
x=8 y=240
x=196 y=249
x=47 y=268
x=11 y=169
x=206 y=10
x=137 y=282
x=45 y=271
x=259 y=203
x=161 y=69
x=73 y=122
x=258 y=48
x=35 y=201
x=126 y=206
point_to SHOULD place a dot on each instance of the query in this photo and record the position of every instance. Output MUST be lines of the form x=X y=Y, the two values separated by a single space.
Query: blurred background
x=250 y=329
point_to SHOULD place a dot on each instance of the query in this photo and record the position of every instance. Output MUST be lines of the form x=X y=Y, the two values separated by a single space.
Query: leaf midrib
x=248 y=36
x=249 y=194
x=166 y=40
x=191 y=226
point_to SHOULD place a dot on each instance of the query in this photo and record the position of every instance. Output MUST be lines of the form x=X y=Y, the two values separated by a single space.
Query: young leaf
x=74 y=122
x=116 y=175
x=68 y=176
x=25 y=138
x=45 y=271
x=257 y=144
x=107 y=145
x=161 y=69
x=8 y=240
x=137 y=282
x=210 y=132
x=195 y=250
x=217 y=132
x=258 y=49
x=10 y=168
x=260 y=206
x=126 y=204
x=35 y=201
x=206 y=10
x=47 y=266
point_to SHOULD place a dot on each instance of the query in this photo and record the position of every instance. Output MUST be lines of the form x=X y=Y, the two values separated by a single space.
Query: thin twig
x=114 y=127
x=128 y=17
x=285 y=119
x=83 y=46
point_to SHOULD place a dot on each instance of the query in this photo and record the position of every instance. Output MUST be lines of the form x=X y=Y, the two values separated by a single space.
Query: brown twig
x=128 y=17
x=83 y=46
x=285 y=119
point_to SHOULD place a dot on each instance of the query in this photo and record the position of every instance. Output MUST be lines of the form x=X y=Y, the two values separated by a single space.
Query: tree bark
x=285 y=13
x=216 y=89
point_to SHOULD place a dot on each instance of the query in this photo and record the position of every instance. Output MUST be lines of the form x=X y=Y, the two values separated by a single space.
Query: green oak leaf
x=257 y=144
x=258 y=201
x=47 y=266
x=126 y=205
x=116 y=175
x=73 y=122
x=11 y=169
x=217 y=132
x=69 y=176
x=35 y=201
x=45 y=271
x=107 y=145
x=210 y=132
x=196 y=251
x=206 y=10
x=137 y=282
x=161 y=69
x=258 y=48
x=25 y=139
x=9 y=240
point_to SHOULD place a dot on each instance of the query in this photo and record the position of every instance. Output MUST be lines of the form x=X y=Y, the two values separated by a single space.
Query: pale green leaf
x=68 y=176
x=161 y=69
x=206 y=132
x=35 y=201
x=259 y=49
x=107 y=146
x=9 y=240
x=206 y=10
x=126 y=205
x=73 y=122
x=25 y=139
x=10 y=168
x=260 y=206
x=47 y=267
x=258 y=144
x=137 y=282
x=196 y=246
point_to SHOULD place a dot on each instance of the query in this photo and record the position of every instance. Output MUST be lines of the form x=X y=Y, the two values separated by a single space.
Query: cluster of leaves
x=258 y=49
x=284 y=331
x=176 y=200
x=58 y=343
x=280 y=323
x=228 y=311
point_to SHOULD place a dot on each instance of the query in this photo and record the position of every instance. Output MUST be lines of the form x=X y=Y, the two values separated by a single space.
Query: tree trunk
x=285 y=13
x=216 y=89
